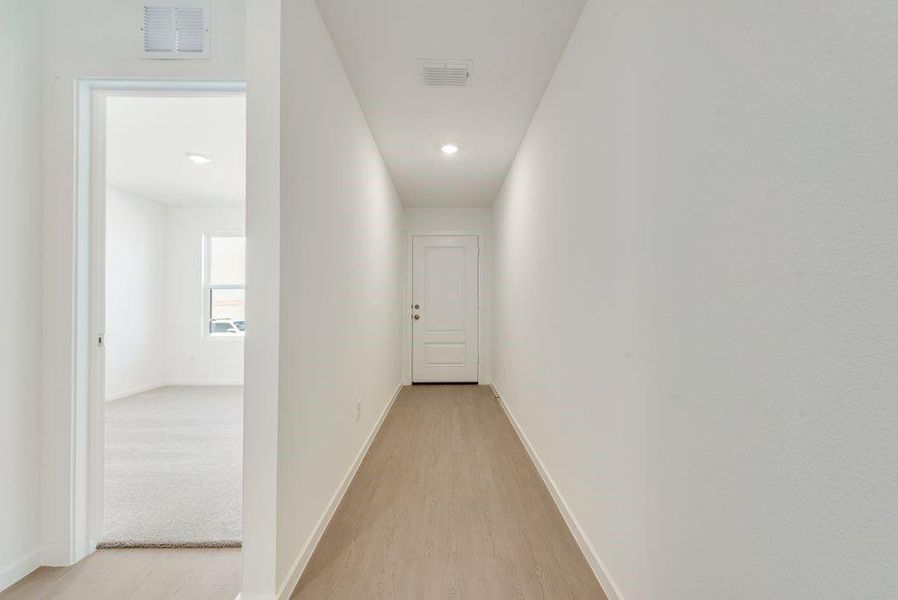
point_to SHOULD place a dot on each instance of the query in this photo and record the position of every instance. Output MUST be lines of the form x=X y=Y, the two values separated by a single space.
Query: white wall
x=155 y=318
x=90 y=39
x=441 y=220
x=135 y=293
x=20 y=300
x=340 y=282
x=696 y=276
x=191 y=357
x=261 y=366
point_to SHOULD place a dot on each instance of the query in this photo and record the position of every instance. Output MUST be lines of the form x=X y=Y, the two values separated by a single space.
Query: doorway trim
x=87 y=448
x=407 y=300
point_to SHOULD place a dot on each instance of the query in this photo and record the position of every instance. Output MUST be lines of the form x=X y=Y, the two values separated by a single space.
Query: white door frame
x=408 y=301
x=88 y=427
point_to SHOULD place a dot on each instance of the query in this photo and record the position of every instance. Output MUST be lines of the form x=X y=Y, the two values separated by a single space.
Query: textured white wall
x=90 y=39
x=20 y=298
x=697 y=266
x=190 y=356
x=420 y=219
x=135 y=293
x=340 y=279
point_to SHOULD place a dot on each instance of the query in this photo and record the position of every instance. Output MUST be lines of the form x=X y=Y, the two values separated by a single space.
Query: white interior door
x=444 y=315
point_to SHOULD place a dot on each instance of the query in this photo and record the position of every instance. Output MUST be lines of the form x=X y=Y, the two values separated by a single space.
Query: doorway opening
x=167 y=311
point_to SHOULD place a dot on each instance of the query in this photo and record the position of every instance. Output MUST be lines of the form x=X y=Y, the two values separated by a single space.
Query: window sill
x=235 y=337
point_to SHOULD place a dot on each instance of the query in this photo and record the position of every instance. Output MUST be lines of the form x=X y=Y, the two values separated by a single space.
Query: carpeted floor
x=174 y=468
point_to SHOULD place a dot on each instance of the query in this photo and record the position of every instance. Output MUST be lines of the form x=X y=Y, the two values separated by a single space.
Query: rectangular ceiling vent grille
x=445 y=72
x=174 y=28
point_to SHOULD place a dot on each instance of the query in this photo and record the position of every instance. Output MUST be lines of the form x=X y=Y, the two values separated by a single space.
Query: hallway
x=447 y=504
x=660 y=237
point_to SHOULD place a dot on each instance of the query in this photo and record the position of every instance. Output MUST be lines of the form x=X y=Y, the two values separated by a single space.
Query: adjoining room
x=174 y=316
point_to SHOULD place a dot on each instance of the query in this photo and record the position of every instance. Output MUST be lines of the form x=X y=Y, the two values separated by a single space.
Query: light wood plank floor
x=137 y=574
x=447 y=505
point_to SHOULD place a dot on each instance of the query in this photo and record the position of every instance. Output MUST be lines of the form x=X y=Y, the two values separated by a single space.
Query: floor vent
x=445 y=72
x=174 y=28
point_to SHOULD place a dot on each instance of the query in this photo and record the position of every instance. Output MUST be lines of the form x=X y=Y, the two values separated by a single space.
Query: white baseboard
x=586 y=547
x=138 y=390
x=204 y=383
x=156 y=386
x=19 y=568
x=299 y=565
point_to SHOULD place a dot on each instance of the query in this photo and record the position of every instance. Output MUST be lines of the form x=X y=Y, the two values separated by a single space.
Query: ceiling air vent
x=445 y=72
x=174 y=28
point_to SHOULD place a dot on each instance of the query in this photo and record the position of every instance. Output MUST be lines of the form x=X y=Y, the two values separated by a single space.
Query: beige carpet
x=174 y=468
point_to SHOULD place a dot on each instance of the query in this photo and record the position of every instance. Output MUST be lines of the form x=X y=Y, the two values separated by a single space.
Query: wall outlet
x=358 y=410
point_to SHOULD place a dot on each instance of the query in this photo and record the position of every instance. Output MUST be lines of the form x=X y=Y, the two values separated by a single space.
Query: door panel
x=445 y=283
x=445 y=292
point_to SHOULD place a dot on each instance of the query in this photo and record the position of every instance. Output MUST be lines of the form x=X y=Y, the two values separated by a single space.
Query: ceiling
x=515 y=46
x=148 y=138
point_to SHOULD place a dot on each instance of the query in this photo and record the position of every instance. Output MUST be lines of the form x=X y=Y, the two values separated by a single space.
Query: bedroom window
x=225 y=285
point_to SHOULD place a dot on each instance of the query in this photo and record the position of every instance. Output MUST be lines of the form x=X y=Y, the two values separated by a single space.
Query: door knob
x=417 y=317
x=417 y=307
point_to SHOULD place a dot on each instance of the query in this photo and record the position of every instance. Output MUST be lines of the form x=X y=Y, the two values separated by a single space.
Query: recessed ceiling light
x=449 y=149
x=198 y=159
